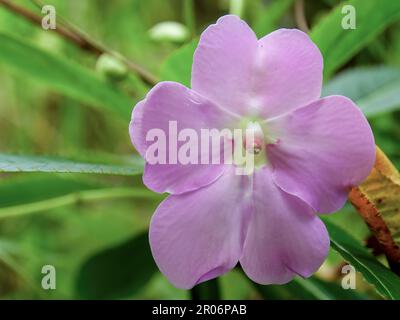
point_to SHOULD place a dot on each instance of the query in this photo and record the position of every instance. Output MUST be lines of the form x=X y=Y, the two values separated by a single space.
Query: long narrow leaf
x=62 y=75
x=339 y=45
x=374 y=89
x=385 y=281
x=16 y=163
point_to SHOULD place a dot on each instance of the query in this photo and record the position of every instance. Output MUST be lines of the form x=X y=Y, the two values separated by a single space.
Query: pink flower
x=314 y=149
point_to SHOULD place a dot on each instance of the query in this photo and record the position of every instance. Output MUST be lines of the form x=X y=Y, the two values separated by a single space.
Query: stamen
x=254 y=138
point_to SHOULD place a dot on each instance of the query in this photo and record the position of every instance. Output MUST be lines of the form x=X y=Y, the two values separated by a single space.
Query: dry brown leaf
x=377 y=200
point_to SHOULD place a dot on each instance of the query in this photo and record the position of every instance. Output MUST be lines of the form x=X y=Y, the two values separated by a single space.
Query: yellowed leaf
x=377 y=200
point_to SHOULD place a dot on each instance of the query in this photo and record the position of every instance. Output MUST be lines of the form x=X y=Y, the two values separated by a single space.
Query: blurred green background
x=60 y=100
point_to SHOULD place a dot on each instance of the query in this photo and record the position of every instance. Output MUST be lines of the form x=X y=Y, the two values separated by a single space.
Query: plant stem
x=75 y=198
x=300 y=16
x=189 y=17
x=237 y=7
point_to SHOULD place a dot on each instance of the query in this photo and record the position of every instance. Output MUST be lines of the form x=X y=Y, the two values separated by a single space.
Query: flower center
x=250 y=151
x=253 y=140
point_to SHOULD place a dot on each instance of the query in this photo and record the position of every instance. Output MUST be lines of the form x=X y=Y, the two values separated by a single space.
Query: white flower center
x=254 y=138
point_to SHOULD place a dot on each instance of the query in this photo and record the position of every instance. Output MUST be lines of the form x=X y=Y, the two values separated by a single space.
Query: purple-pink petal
x=289 y=72
x=199 y=235
x=223 y=63
x=284 y=238
x=322 y=150
x=170 y=101
x=266 y=77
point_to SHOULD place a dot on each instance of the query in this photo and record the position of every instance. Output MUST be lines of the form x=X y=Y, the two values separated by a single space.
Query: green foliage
x=267 y=21
x=92 y=226
x=15 y=163
x=385 y=281
x=206 y=291
x=42 y=193
x=374 y=89
x=117 y=272
x=178 y=66
x=339 y=45
x=35 y=188
x=64 y=76
x=111 y=67
x=310 y=289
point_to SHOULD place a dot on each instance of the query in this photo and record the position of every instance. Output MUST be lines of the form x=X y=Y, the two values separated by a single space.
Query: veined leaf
x=385 y=281
x=16 y=163
x=62 y=75
x=117 y=272
x=372 y=17
x=374 y=89
x=377 y=200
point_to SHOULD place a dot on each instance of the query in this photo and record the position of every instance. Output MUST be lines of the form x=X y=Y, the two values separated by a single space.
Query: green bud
x=111 y=67
x=170 y=31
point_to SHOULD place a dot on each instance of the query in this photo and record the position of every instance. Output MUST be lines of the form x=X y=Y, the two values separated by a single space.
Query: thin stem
x=75 y=198
x=189 y=16
x=80 y=39
x=300 y=16
x=35 y=19
x=237 y=7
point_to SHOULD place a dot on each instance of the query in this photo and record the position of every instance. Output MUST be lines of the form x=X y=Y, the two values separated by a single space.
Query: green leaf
x=374 y=89
x=235 y=285
x=32 y=194
x=267 y=20
x=117 y=272
x=385 y=281
x=310 y=289
x=339 y=45
x=38 y=188
x=208 y=290
x=178 y=66
x=62 y=75
x=16 y=163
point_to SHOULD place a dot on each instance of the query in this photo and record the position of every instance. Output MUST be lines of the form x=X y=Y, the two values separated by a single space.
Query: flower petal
x=199 y=235
x=177 y=179
x=135 y=128
x=268 y=77
x=165 y=103
x=284 y=237
x=223 y=63
x=323 y=150
x=290 y=73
